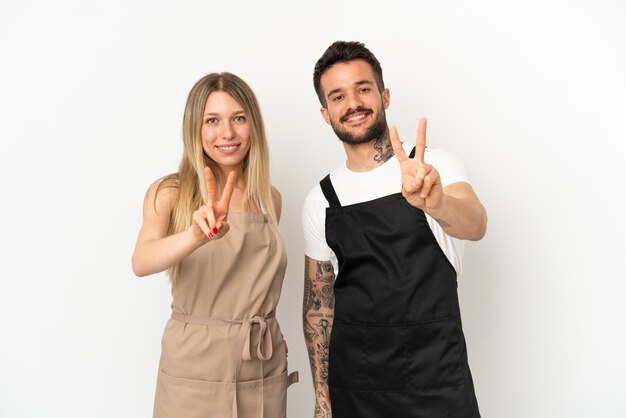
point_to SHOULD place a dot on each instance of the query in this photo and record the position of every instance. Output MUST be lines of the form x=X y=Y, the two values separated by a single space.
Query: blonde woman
x=214 y=227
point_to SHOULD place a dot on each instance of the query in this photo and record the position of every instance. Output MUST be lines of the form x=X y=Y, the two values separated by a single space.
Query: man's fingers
x=430 y=180
x=409 y=184
x=210 y=185
x=397 y=145
x=428 y=184
x=420 y=140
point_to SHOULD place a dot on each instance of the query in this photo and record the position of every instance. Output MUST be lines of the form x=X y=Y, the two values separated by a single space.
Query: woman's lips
x=228 y=149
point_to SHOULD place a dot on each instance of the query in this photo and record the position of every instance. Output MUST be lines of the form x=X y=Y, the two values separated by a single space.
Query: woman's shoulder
x=163 y=192
x=278 y=202
x=276 y=193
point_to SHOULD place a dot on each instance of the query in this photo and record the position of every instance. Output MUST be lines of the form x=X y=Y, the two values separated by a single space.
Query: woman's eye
x=211 y=121
x=240 y=119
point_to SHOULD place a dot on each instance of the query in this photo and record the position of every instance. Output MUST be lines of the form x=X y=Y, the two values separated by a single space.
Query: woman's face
x=225 y=130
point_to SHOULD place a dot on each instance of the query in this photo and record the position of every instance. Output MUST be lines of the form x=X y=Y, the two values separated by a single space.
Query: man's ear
x=386 y=98
x=324 y=113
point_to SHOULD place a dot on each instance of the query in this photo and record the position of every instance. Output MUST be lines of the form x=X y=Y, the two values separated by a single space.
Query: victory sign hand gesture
x=210 y=219
x=421 y=185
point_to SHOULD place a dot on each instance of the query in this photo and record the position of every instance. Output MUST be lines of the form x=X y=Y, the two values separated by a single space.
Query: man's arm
x=318 y=310
x=456 y=207
x=461 y=215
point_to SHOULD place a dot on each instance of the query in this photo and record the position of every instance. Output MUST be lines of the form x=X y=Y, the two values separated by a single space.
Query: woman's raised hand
x=210 y=219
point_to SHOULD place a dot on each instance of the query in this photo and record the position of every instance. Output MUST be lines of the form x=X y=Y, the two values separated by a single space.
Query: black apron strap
x=329 y=191
x=412 y=155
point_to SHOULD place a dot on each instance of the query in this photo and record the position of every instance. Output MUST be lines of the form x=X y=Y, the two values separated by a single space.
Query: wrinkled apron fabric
x=397 y=347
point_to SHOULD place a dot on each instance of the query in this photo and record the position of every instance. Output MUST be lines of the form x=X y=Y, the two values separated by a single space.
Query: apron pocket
x=395 y=357
x=385 y=357
x=433 y=354
x=268 y=395
x=178 y=397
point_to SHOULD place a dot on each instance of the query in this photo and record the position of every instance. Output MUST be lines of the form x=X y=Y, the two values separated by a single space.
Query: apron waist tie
x=242 y=345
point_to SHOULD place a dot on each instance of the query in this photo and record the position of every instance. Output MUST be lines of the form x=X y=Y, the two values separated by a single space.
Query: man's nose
x=354 y=101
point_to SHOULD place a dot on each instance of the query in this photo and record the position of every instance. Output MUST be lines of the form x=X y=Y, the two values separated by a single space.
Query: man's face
x=354 y=107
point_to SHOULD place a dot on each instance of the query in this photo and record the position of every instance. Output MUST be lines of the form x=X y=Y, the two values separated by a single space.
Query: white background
x=530 y=95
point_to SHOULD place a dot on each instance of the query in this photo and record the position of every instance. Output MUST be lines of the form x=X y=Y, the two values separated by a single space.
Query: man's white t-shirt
x=354 y=187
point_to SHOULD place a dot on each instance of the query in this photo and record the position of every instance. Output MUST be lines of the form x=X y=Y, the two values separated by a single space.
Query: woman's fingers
x=210 y=217
x=210 y=185
x=222 y=230
x=228 y=188
x=200 y=219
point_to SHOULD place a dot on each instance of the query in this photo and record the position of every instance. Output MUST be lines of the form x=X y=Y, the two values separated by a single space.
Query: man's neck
x=368 y=156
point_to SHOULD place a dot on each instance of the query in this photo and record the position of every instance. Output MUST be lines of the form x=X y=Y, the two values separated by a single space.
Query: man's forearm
x=461 y=216
x=317 y=319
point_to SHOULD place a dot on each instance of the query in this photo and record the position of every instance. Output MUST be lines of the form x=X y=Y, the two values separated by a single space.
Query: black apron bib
x=397 y=347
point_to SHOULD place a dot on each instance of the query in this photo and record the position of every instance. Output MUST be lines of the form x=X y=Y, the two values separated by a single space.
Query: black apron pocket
x=433 y=354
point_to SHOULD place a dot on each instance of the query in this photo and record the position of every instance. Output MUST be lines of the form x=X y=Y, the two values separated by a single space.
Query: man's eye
x=338 y=97
x=364 y=89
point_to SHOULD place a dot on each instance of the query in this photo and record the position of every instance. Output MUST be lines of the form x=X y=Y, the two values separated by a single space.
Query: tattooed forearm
x=309 y=332
x=322 y=410
x=323 y=344
x=325 y=276
x=384 y=150
x=317 y=319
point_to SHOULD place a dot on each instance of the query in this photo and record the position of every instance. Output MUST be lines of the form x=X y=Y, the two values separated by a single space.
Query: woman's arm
x=155 y=251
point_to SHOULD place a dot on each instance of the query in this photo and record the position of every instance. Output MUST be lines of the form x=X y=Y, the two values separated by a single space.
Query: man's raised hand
x=421 y=185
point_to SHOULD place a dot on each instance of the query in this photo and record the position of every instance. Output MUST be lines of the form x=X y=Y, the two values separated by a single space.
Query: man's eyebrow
x=357 y=83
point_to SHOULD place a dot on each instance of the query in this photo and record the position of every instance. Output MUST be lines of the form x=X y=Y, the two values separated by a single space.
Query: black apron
x=397 y=347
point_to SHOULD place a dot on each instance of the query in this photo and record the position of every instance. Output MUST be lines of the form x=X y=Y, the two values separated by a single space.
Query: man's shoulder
x=315 y=193
x=314 y=200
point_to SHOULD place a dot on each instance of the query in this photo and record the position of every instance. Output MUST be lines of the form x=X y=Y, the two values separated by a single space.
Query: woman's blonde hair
x=190 y=178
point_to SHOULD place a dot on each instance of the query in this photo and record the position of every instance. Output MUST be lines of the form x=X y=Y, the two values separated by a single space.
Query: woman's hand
x=209 y=221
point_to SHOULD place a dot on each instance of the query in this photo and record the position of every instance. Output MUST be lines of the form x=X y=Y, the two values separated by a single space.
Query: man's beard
x=377 y=130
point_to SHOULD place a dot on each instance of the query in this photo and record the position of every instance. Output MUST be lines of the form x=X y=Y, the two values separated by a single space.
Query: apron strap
x=329 y=191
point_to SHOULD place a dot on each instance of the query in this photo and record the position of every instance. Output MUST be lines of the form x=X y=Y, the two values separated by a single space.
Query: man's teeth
x=356 y=117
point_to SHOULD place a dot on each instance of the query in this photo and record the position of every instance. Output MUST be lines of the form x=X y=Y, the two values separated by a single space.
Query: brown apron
x=223 y=354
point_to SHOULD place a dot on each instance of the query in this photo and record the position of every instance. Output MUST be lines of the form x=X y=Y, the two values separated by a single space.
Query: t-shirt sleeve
x=450 y=168
x=314 y=225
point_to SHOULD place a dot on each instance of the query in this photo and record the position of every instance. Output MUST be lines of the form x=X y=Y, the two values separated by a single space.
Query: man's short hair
x=342 y=51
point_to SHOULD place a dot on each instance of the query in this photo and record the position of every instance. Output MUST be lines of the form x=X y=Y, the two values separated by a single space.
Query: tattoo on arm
x=384 y=150
x=317 y=319
x=325 y=275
